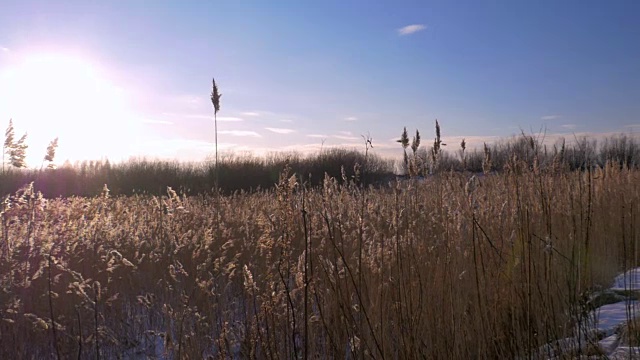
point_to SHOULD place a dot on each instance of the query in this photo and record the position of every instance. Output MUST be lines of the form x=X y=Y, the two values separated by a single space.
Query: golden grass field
x=455 y=266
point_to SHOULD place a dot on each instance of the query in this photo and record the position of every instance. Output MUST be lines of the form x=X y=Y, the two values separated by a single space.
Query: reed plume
x=9 y=138
x=215 y=100
x=51 y=153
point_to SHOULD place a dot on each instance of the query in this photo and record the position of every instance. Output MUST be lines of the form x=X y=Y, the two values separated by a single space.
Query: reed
x=452 y=267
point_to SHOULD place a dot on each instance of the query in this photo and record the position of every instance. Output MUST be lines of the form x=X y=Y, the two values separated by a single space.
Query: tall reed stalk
x=215 y=101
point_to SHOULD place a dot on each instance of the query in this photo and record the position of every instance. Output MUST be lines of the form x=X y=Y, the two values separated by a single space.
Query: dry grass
x=445 y=268
x=235 y=173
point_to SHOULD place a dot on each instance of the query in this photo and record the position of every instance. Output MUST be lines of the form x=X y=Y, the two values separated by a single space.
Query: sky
x=116 y=79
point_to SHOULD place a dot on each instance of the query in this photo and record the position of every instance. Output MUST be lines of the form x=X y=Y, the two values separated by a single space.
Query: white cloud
x=189 y=116
x=4 y=49
x=342 y=137
x=229 y=119
x=251 y=113
x=240 y=133
x=411 y=29
x=160 y=122
x=351 y=118
x=189 y=99
x=204 y=117
x=569 y=126
x=280 y=130
x=551 y=117
x=348 y=133
x=317 y=136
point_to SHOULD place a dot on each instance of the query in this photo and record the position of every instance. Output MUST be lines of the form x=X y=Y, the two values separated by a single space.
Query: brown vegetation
x=453 y=267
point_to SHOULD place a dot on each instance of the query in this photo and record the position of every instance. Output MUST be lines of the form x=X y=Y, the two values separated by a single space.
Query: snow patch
x=605 y=323
x=630 y=280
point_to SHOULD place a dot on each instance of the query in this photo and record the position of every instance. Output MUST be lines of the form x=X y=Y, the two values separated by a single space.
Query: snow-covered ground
x=628 y=281
x=601 y=331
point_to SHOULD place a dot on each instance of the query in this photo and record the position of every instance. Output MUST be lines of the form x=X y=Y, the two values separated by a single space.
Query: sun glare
x=67 y=97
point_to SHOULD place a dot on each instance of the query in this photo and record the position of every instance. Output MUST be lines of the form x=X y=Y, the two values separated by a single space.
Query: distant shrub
x=236 y=173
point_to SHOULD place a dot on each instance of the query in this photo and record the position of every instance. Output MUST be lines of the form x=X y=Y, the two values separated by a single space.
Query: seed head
x=51 y=150
x=215 y=97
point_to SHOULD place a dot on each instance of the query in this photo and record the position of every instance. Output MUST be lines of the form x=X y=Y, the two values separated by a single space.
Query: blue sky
x=297 y=74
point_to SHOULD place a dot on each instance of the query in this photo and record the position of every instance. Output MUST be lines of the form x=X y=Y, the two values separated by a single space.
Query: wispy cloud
x=351 y=118
x=280 y=130
x=229 y=118
x=204 y=117
x=160 y=122
x=343 y=137
x=190 y=99
x=189 y=116
x=569 y=126
x=270 y=117
x=240 y=133
x=318 y=136
x=411 y=29
x=551 y=117
x=4 y=49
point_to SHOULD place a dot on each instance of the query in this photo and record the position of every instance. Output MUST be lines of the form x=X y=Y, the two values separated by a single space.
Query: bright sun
x=62 y=96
